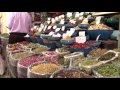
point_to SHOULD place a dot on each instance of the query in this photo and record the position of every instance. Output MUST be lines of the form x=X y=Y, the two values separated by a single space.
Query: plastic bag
x=2 y=66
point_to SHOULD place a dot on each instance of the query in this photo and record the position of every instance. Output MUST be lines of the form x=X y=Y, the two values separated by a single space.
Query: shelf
x=103 y=13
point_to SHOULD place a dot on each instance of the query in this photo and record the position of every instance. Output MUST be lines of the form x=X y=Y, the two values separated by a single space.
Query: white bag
x=2 y=66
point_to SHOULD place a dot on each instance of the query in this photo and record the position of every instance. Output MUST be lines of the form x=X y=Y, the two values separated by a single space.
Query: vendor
x=19 y=24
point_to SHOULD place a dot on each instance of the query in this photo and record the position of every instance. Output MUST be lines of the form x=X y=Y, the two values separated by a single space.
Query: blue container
x=50 y=45
x=104 y=34
x=60 y=25
x=67 y=42
x=40 y=41
x=96 y=44
x=85 y=51
x=28 y=39
x=59 y=45
x=83 y=26
x=44 y=36
x=70 y=25
x=34 y=40
x=54 y=38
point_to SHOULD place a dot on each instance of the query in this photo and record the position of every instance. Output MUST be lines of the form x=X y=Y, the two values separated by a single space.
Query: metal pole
x=119 y=33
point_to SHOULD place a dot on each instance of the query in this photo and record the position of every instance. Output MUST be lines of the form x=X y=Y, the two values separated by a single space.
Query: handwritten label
x=54 y=27
x=63 y=28
x=49 y=27
x=82 y=34
x=57 y=29
x=80 y=39
x=98 y=19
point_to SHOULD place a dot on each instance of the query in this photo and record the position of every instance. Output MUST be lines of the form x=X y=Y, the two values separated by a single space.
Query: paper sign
x=57 y=29
x=40 y=29
x=77 y=14
x=56 y=18
x=98 y=19
x=63 y=28
x=82 y=34
x=49 y=19
x=69 y=14
x=80 y=39
x=62 y=16
x=81 y=14
x=48 y=22
x=54 y=27
x=62 y=22
x=45 y=28
x=53 y=20
x=51 y=33
x=49 y=27
x=81 y=18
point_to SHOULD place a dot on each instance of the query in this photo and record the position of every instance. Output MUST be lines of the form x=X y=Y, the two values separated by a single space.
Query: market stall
x=66 y=46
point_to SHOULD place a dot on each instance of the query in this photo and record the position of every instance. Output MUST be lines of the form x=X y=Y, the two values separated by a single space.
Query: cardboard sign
x=98 y=19
x=77 y=14
x=80 y=39
x=69 y=14
x=82 y=34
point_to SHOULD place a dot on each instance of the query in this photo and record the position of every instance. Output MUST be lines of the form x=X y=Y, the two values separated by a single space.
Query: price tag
x=72 y=30
x=82 y=34
x=48 y=22
x=62 y=15
x=98 y=19
x=81 y=14
x=62 y=21
x=56 y=18
x=53 y=20
x=54 y=27
x=81 y=18
x=49 y=19
x=77 y=14
x=69 y=14
x=63 y=28
x=57 y=29
x=49 y=27
x=45 y=28
x=51 y=33
x=80 y=39
x=40 y=29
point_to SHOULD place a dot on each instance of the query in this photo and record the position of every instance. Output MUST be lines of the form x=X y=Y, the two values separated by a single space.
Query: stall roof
x=103 y=13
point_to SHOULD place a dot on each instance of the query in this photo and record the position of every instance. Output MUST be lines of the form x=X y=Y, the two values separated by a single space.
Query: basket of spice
x=42 y=69
x=23 y=64
x=70 y=73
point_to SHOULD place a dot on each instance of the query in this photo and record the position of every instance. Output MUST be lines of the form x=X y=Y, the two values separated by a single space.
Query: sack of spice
x=23 y=64
x=73 y=56
x=70 y=73
x=14 y=58
x=42 y=70
x=89 y=64
x=108 y=70
x=108 y=56
x=51 y=56
x=2 y=66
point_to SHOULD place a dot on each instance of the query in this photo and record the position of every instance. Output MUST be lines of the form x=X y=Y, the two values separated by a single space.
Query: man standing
x=19 y=24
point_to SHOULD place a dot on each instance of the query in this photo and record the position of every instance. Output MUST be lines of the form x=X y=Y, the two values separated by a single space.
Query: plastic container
x=34 y=40
x=40 y=41
x=28 y=39
x=31 y=74
x=54 y=38
x=67 y=42
x=60 y=25
x=83 y=26
x=104 y=34
x=70 y=25
x=85 y=51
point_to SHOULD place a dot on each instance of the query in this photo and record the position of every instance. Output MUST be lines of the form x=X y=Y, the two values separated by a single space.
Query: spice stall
x=66 y=46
